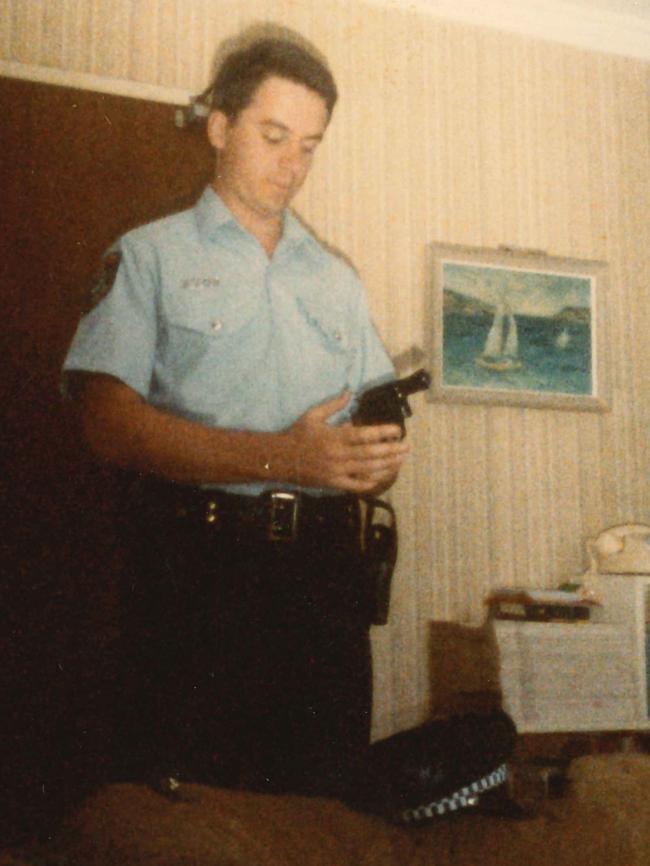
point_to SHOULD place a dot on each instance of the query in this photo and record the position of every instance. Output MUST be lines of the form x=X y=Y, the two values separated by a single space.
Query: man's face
x=266 y=152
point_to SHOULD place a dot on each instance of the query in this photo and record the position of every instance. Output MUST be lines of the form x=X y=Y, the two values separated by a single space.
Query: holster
x=380 y=555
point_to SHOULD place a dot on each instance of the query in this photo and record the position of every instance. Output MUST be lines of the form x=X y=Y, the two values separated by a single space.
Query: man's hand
x=355 y=459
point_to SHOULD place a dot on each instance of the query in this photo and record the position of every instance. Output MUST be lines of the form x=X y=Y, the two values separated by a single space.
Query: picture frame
x=517 y=328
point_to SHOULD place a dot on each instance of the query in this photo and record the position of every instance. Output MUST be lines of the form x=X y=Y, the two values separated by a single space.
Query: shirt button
x=217 y=325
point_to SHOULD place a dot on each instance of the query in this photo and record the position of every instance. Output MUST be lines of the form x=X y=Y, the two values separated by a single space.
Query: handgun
x=388 y=403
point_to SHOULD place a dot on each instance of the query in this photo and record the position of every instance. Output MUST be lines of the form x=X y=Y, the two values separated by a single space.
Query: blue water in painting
x=545 y=367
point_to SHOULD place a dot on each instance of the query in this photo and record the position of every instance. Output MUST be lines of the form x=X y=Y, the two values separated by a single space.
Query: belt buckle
x=283 y=516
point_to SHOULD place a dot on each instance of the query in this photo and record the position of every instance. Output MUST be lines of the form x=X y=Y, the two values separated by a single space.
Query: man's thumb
x=330 y=407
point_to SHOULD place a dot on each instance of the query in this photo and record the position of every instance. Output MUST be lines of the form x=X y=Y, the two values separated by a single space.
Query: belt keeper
x=283 y=516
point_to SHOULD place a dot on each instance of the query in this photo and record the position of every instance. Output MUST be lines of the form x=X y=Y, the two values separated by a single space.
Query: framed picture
x=517 y=328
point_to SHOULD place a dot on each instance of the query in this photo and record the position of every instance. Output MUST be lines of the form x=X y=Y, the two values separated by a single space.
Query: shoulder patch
x=104 y=280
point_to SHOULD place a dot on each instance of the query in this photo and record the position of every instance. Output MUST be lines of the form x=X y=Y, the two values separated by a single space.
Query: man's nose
x=291 y=157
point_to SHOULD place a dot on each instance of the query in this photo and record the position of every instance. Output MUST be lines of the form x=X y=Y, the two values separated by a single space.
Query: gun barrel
x=418 y=381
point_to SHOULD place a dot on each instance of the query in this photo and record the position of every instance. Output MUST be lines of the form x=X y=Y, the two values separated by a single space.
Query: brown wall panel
x=78 y=169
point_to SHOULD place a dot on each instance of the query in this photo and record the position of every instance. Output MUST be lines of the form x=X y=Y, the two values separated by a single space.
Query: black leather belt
x=276 y=515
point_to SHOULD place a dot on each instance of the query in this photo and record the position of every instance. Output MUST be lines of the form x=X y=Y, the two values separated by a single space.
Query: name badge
x=200 y=283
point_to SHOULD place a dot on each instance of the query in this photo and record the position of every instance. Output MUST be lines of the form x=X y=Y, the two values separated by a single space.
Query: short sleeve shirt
x=201 y=323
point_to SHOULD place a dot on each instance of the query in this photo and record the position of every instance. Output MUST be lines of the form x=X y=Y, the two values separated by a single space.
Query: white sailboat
x=501 y=350
x=563 y=339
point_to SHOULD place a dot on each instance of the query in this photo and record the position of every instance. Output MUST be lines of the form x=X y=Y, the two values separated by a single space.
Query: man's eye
x=273 y=139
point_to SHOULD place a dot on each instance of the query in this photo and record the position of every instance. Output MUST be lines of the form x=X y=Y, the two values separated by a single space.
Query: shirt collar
x=294 y=232
x=212 y=214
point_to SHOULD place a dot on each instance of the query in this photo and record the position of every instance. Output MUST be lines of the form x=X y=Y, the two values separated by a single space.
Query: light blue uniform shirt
x=203 y=325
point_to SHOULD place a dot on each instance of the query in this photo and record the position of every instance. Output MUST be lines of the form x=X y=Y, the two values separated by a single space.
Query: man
x=219 y=365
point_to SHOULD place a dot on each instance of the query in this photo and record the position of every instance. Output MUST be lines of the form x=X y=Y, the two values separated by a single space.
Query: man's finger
x=372 y=466
x=368 y=450
x=325 y=410
x=375 y=433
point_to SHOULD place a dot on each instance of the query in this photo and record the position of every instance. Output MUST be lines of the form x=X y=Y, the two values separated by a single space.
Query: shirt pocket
x=329 y=326
x=207 y=313
x=208 y=337
x=329 y=356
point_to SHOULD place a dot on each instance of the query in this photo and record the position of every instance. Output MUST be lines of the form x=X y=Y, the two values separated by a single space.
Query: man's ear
x=217 y=126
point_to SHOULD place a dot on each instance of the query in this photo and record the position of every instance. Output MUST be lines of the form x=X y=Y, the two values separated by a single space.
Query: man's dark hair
x=243 y=71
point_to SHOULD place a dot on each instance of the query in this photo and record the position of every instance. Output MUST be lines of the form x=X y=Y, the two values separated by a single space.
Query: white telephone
x=623 y=549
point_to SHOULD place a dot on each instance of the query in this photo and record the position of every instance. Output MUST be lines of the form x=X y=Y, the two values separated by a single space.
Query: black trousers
x=246 y=661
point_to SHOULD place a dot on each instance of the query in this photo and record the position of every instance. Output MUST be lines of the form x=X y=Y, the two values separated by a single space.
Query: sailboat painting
x=517 y=329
